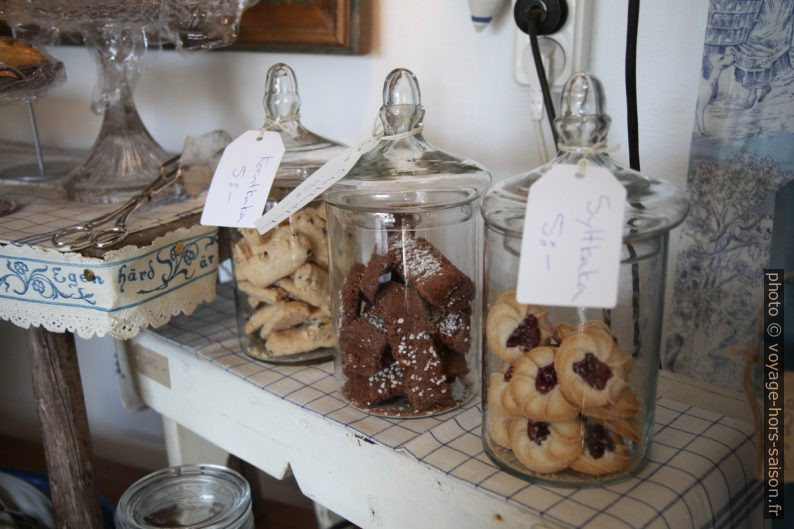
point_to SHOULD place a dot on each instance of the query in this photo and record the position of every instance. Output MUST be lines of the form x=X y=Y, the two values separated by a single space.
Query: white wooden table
x=220 y=402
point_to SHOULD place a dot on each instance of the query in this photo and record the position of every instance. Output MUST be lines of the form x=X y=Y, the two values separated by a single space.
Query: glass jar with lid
x=281 y=278
x=196 y=496
x=405 y=267
x=571 y=390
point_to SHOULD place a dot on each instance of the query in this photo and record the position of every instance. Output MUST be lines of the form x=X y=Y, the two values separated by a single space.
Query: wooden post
x=64 y=425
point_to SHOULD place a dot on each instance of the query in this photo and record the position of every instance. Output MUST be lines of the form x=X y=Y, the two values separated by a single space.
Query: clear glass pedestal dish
x=125 y=158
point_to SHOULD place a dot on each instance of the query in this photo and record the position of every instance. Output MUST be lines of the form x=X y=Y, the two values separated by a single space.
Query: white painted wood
x=185 y=447
x=371 y=485
x=707 y=396
x=124 y=375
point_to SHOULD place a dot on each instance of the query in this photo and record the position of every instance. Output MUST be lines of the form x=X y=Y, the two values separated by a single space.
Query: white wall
x=118 y=434
x=473 y=108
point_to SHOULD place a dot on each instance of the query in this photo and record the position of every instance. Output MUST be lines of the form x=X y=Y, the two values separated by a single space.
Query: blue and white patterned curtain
x=742 y=153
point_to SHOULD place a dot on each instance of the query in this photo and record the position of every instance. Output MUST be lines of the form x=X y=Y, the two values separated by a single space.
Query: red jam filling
x=526 y=335
x=593 y=371
x=537 y=431
x=546 y=379
x=597 y=439
x=509 y=374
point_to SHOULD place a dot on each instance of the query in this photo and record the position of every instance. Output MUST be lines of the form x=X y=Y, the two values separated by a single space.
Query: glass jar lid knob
x=402 y=109
x=282 y=102
x=582 y=121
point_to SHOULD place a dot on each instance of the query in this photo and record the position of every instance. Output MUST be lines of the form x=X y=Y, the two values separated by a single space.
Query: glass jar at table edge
x=281 y=278
x=406 y=267
x=569 y=393
x=187 y=496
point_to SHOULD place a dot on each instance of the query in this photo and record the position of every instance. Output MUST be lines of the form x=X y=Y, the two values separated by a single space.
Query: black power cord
x=632 y=26
x=631 y=83
x=534 y=22
x=541 y=17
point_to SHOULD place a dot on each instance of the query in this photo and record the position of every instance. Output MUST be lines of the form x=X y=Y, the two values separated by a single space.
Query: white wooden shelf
x=338 y=459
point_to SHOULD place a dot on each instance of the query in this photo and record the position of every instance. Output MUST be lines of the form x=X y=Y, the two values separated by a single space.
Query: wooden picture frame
x=312 y=26
x=309 y=26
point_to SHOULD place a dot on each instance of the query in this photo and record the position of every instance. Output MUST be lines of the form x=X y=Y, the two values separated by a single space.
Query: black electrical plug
x=552 y=15
x=541 y=17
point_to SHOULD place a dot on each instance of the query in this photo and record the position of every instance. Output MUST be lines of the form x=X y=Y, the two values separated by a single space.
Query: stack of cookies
x=561 y=398
x=405 y=326
x=283 y=275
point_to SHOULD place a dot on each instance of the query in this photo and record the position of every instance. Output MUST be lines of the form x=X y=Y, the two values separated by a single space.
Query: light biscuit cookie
x=603 y=451
x=253 y=238
x=534 y=388
x=281 y=257
x=276 y=317
x=264 y=295
x=301 y=339
x=309 y=224
x=252 y=302
x=311 y=284
x=241 y=253
x=545 y=447
x=513 y=329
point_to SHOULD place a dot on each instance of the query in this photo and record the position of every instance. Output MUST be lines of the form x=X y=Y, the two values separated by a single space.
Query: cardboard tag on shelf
x=573 y=232
x=314 y=186
x=241 y=182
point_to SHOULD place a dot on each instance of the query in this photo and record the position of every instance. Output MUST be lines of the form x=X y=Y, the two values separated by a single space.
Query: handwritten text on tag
x=241 y=183
x=314 y=186
x=573 y=232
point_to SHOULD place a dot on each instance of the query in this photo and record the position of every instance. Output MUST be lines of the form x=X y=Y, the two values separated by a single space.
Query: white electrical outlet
x=567 y=51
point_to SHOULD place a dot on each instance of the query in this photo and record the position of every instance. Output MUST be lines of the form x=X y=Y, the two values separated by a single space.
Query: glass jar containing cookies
x=571 y=390
x=281 y=278
x=405 y=267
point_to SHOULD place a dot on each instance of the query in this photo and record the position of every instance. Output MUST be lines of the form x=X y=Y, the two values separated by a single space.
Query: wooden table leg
x=64 y=425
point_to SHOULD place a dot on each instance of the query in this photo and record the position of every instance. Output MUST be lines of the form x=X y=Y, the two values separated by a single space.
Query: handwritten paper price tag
x=241 y=183
x=314 y=186
x=573 y=231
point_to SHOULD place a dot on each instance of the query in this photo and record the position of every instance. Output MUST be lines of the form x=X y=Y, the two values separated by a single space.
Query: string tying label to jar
x=573 y=231
x=242 y=181
x=314 y=186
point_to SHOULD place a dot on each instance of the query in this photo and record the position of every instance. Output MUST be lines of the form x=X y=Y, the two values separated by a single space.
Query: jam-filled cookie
x=513 y=329
x=546 y=447
x=591 y=369
x=625 y=406
x=621 y=416
x=534 y=387
x=499 y=428
x=499 y=397
x=603 y=450
x=564 y=329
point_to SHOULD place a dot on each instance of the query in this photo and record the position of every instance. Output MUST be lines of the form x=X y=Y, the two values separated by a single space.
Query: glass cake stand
x=125 y=158
x=26 y=74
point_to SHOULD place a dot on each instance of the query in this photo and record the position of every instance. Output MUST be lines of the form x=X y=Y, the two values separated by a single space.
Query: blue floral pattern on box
x=742 y=153
x=177 y=261
x=133 y=281
x=48 y=282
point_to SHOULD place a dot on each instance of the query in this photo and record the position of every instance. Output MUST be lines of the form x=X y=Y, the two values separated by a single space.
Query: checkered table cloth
x=44 y=209
x=700 y=473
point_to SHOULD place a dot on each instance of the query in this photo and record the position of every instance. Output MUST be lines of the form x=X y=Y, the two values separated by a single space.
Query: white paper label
x=313 y=186
x=573 y=231
x=241 y=183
